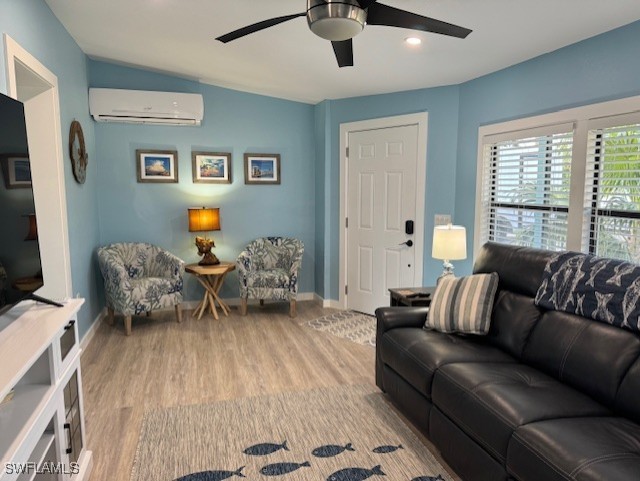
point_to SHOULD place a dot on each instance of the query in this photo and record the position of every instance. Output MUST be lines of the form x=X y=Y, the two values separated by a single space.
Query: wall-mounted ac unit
x=144 y=107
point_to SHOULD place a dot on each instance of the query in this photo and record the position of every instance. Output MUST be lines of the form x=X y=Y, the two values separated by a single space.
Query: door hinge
x=346 y=290
x=347 y=151
x=346 y=222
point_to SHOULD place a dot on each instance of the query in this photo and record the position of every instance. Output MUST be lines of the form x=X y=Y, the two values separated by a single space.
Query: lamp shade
x=449 y=242
x=202 y=219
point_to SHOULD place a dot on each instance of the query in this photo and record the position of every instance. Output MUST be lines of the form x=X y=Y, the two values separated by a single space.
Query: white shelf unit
x=40 y=361
x=41 y=453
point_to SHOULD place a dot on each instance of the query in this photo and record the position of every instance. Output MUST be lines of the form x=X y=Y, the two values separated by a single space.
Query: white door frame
x=419 y=119
x=51 y=194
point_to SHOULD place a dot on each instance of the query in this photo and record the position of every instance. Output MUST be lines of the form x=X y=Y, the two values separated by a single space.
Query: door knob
x=408 y=243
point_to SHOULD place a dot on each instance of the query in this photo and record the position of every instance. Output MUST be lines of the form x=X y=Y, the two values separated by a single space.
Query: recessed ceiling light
x=413 y=40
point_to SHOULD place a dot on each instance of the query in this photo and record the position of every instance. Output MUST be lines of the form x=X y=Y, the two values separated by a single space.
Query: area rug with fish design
x=352 y=325
x=347 y=433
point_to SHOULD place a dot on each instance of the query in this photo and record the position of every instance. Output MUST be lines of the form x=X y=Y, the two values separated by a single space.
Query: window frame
x=592 y=210
x=583 y=118
x=491 y=168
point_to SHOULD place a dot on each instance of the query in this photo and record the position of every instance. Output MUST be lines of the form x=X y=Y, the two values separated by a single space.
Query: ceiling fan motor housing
x=335 y=20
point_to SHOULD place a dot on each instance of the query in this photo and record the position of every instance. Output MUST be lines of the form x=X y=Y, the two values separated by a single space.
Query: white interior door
x=381 y=198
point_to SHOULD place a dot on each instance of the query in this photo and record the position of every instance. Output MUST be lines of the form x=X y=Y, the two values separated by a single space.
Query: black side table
x=411 y=296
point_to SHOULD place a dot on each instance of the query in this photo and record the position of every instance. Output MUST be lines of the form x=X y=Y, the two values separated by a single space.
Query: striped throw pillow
x=463 y=304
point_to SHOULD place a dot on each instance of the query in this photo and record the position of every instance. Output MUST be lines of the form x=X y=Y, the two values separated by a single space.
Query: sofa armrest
x=244 y=264
x=391 y=318
x=167 y=265
x=113 y=271
x=394 y=317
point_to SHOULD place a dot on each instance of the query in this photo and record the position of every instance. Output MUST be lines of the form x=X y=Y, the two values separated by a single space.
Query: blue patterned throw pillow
x=606 y=290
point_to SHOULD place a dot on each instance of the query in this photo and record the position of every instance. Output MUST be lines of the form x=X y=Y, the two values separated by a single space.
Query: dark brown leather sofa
x=545 y=396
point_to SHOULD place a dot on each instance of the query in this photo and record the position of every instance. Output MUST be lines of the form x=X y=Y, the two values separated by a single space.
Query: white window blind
x=611 y=227
x=526 y=183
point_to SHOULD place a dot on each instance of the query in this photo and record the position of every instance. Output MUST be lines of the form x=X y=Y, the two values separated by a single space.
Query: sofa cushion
x=580 y=449
x=489 y=401
x=463 y=304
x=590 y=356
x=628 y=397
x=270 y=278
x=416 y=354
x=514 y=317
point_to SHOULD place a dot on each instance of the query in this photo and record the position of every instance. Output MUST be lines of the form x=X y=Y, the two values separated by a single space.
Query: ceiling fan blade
x=256 y=27
x=366 y=3
x=344 y=52
x=379 y=14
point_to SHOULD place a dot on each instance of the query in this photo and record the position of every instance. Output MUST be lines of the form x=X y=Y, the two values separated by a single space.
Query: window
x=612 y=196
x=526 y=193
x=563 y=181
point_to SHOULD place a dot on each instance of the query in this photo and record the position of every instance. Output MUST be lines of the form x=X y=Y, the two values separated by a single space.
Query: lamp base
x=209 y=259
x=204 y=246
x=447 y=269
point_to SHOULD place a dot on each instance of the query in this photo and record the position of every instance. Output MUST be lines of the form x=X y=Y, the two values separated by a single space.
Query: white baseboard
x=327 y=303
x=86 y=339
x=331 y=303
x=235 y=301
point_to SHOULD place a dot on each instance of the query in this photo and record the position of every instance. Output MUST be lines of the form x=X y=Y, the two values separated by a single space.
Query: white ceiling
x=288 y=61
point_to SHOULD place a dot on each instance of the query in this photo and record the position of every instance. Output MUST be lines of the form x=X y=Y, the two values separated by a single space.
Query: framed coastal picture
x=157 y=166
x=16 y=171
x=211 y=167
x=261 y=168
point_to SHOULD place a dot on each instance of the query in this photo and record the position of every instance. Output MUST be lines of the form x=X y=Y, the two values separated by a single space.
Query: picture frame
x=16 y=170
x=157 y=166
x=262 y=169
x=211 y=167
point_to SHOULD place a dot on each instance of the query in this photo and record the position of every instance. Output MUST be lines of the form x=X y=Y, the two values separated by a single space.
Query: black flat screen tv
x=20 y=266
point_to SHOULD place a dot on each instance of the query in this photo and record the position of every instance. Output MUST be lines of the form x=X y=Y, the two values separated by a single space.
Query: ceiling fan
x=341 y=20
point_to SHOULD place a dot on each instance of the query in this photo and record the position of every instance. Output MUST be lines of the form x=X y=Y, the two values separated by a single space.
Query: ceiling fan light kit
x=341 y=20
x=336 y=21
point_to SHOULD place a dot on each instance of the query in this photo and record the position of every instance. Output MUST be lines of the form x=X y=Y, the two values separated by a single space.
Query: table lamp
x=204 y=220
x=449 y=244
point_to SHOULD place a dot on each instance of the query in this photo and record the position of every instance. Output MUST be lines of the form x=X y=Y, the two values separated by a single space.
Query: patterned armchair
x=268 y=269
x=140 y=277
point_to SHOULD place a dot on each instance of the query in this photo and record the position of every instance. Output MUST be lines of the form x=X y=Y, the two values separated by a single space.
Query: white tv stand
x=42 y=433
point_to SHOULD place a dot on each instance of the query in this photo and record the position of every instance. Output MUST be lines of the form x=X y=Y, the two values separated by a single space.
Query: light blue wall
x=602 y=68
x=442 y=106
x=32 y=25
x=321 y=111
x=234 y=122
x=112 y=206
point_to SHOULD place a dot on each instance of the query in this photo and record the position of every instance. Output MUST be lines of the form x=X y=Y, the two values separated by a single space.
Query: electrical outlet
x=442 y=219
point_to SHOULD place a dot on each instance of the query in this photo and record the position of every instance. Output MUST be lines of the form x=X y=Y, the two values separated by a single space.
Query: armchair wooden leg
x=262 y=302
x=110 y=315
x=148 y=313
x=243 y=306
x=179 y=312
x=292 y=308
x=127 y=325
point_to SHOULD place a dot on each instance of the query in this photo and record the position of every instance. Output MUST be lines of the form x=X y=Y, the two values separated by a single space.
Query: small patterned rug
x=352 y=325
x=346 y=433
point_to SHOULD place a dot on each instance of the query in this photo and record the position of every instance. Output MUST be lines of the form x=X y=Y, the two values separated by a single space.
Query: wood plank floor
x=164 y=364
